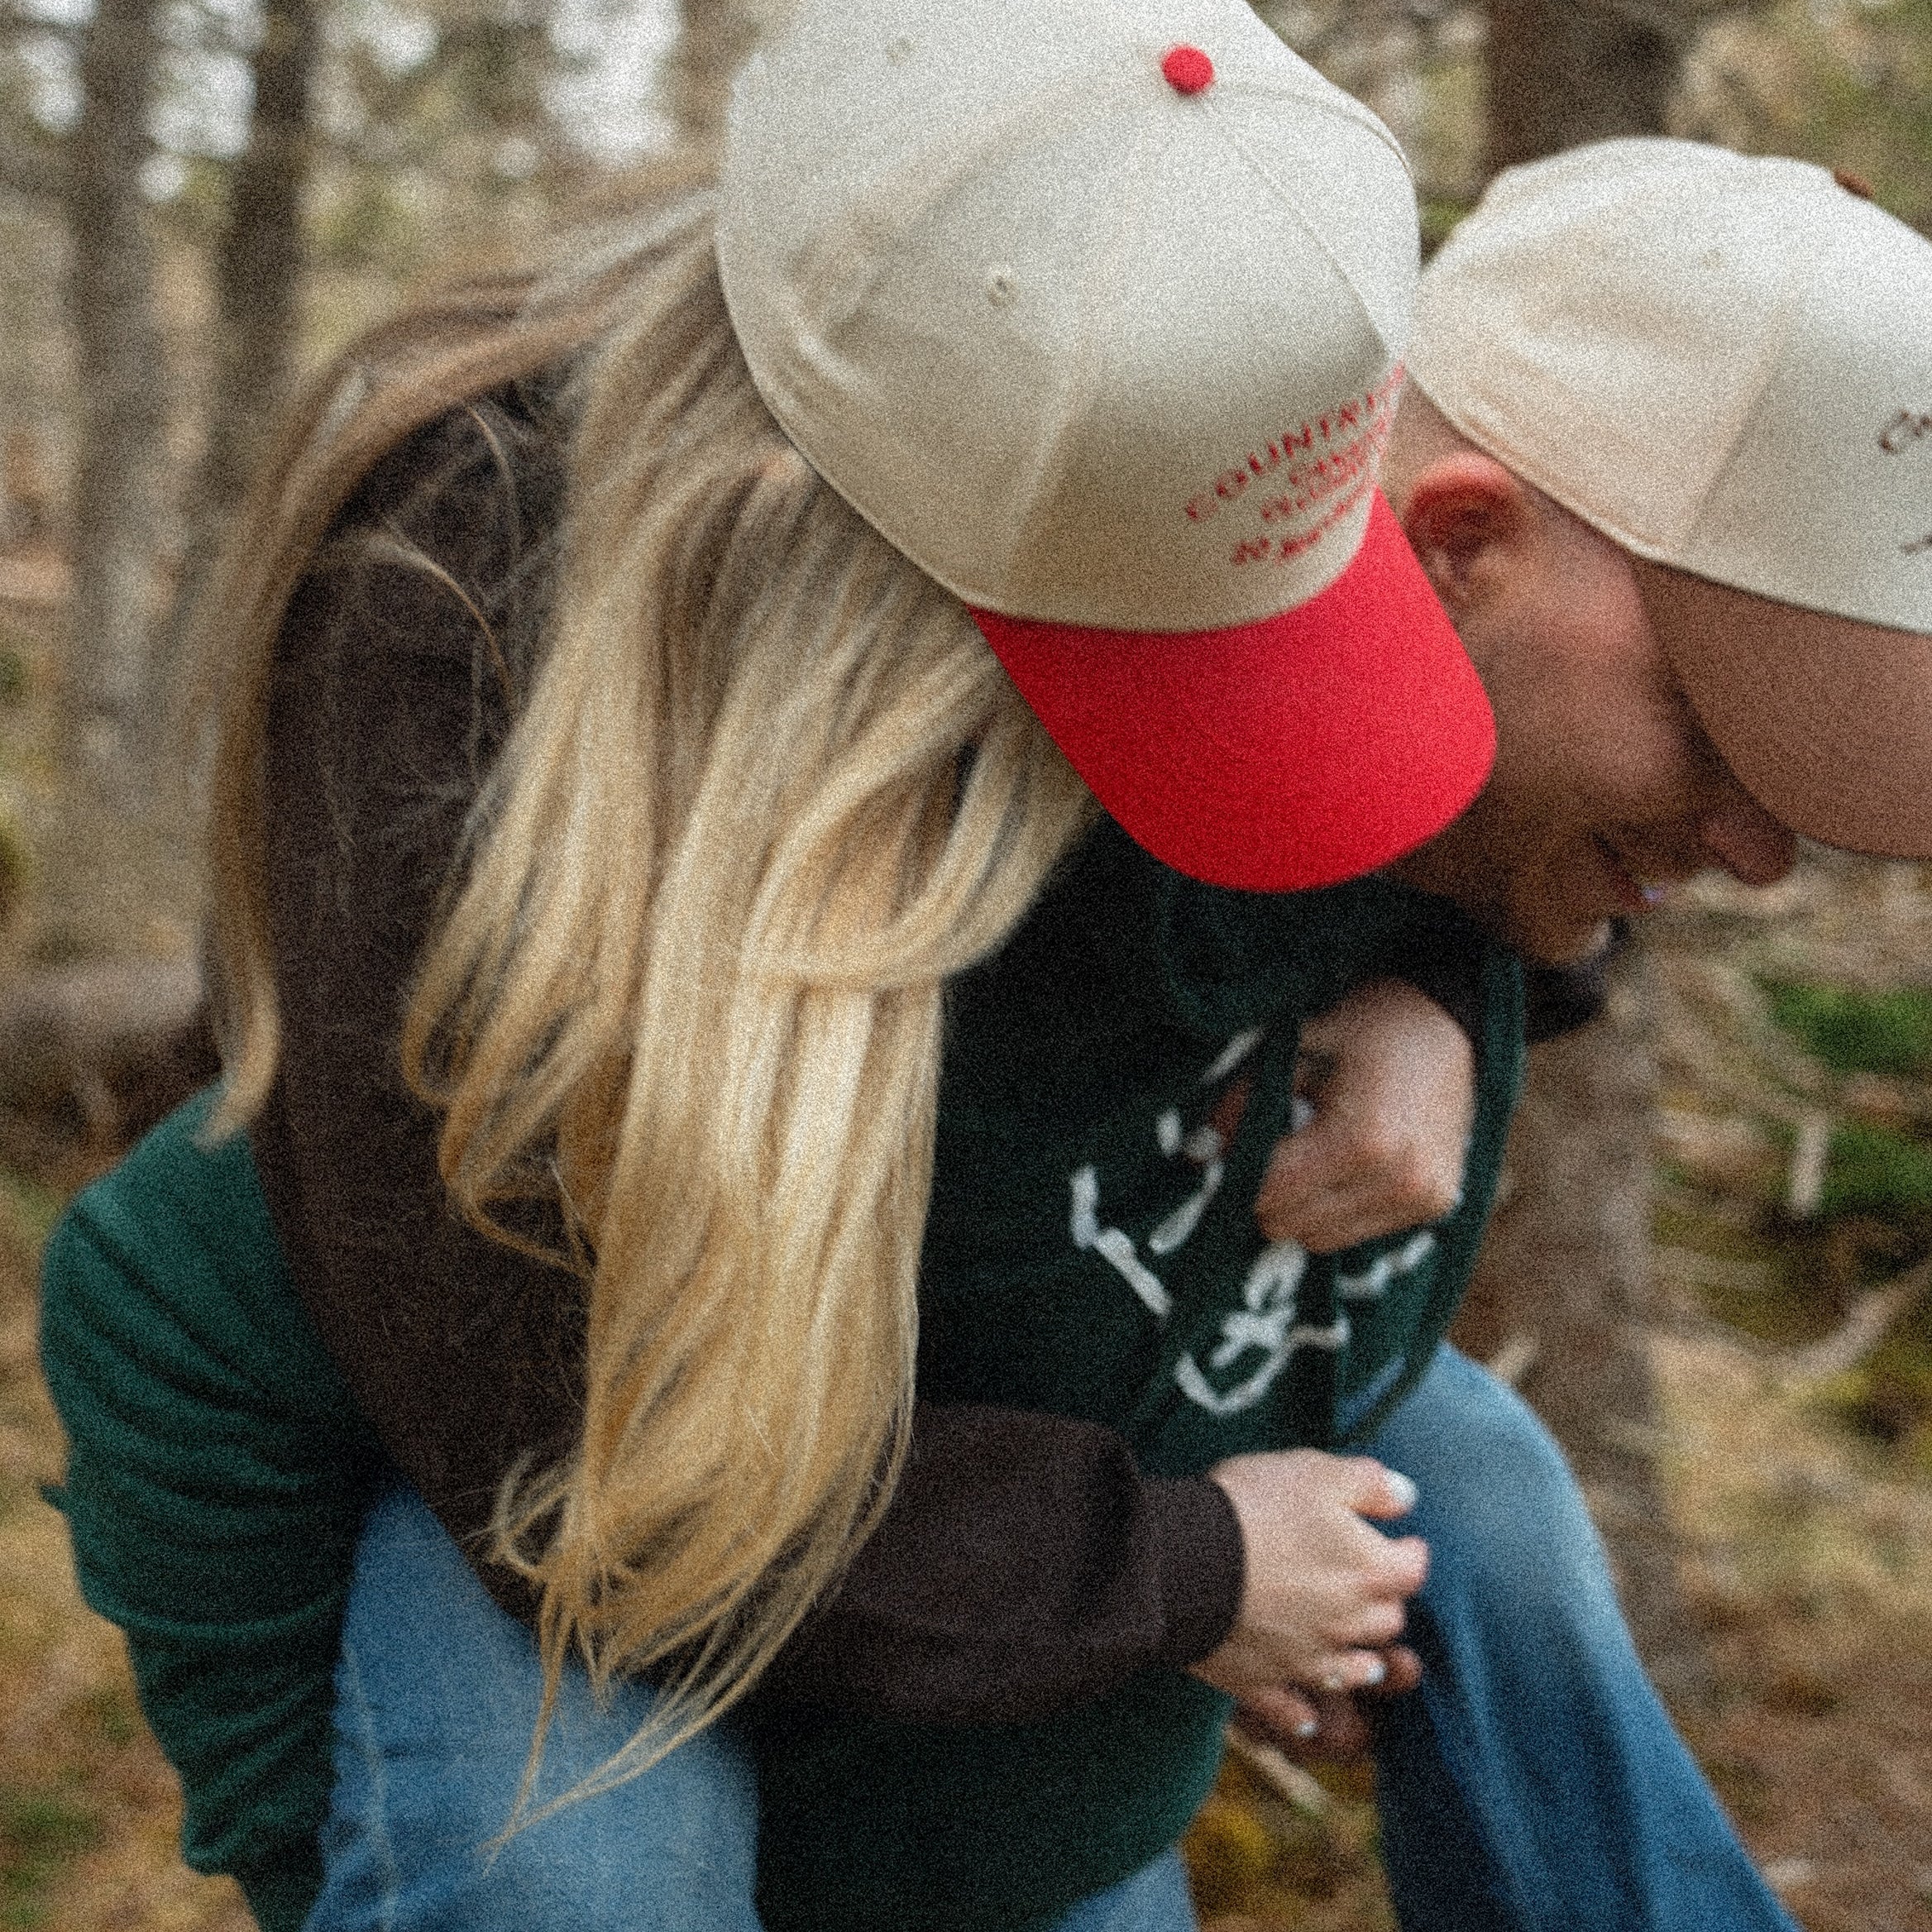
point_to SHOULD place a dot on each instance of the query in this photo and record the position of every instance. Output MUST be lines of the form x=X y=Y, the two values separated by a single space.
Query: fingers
x=1342 y=1729
x=1372 y=1489
x=1395 y=1097
x=1348 y=1671
x=1279 y=1713
x=1326 y=1590
x=1317 y=1726
x=1405 y=1670
x=1386 y=1672
x=1343 y=1180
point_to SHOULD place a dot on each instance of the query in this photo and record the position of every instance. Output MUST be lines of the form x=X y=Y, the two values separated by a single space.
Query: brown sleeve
x=387 y=702
x=1025 y=1564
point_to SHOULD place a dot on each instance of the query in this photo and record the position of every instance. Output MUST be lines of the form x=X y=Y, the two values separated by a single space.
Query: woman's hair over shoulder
x=689 y=981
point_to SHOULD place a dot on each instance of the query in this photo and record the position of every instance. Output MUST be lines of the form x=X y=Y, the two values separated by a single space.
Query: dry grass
x=1811 y=1563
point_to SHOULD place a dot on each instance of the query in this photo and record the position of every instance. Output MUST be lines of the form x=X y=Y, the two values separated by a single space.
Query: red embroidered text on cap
x=1188 y=69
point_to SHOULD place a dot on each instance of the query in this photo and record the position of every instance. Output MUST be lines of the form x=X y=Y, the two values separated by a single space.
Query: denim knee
x=437 y=1694
x=1499 y=1505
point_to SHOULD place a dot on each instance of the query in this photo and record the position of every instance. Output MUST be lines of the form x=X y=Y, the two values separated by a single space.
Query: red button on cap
x=1187 y=70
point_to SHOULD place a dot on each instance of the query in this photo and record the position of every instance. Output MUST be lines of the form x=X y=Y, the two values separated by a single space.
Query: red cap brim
x=1291 y=752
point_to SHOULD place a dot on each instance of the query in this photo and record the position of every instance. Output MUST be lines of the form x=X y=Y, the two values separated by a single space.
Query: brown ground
x=87 y=1809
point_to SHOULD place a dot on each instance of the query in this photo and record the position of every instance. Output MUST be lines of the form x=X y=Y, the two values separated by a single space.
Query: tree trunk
x=714 y=37
x=1565 y=1277
x=120 y=403
x=1563 y=72
x=1564 y=1288
x=258 y=276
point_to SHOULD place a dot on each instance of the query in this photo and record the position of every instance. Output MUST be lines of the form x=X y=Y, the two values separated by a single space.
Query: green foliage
x=16 y=673
x=40 y=1831
x=111 y=1709
x=1879 y=1171
x=1845 y=83
x=27 y=1210
x=1887 y=1400
x=1852 y=1032
x=1439 y=216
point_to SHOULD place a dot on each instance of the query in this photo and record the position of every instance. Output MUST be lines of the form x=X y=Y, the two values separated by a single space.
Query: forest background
x=1710 y=1268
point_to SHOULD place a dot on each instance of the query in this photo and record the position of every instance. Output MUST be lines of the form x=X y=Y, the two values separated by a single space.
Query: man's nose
x=1748 y=841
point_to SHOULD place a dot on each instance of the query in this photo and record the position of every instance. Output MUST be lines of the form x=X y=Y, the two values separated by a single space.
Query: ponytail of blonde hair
x=769 y=790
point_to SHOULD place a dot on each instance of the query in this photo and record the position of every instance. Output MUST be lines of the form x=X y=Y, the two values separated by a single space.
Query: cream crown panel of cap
x=1566 y=329
x=1825 y=501
x=1036 y=303
x=1723 y=361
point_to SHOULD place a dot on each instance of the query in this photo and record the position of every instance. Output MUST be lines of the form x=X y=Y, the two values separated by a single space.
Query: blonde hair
x=769 y=790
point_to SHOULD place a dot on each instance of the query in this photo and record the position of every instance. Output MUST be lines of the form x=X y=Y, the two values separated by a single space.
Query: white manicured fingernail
x=1406 y=1495
x=1377 y=1672
x=1307 y=1728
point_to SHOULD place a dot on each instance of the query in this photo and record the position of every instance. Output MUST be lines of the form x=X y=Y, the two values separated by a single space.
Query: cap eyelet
x=1187 y=69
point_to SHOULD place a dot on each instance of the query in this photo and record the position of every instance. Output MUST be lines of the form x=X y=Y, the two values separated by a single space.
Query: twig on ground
x=1870 y=1321
x=1288 y=1779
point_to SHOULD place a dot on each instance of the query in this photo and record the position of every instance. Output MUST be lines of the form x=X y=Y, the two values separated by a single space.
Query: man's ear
x=1465 y=516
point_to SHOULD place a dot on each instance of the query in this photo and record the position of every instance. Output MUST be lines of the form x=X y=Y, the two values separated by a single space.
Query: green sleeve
x=217 y=1474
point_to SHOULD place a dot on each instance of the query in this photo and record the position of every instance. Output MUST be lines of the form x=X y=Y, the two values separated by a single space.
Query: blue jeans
x=1533 y=1783
x=436 y=1694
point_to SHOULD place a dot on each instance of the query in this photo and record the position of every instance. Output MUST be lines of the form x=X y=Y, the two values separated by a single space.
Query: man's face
x=1605 y=786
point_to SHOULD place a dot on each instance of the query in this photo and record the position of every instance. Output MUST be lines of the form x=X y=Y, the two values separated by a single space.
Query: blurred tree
x=1566 y=71
x=120 y=402
x=259 y=265
x=1564 y=1297
x=258 y=275
x=714 y=36
x=30 y=159
x=1565 y=1287
x=436 y=126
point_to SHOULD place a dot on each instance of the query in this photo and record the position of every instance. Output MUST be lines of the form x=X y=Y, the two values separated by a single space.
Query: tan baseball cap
x=1095 y=308
x=1724 y=362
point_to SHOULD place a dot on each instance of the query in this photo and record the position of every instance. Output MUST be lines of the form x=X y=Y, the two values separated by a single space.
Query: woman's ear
x=1466 y=518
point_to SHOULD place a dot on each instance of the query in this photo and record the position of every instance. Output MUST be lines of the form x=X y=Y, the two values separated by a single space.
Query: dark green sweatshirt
x=1092 y=1251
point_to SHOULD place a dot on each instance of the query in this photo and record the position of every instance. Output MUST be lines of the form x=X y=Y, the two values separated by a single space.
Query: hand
x=1393 y=1080
x=1324 y=1593
x=1324 y=1727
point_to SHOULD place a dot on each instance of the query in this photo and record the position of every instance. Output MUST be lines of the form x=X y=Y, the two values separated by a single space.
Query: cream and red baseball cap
x=1724 y=362
x=1094 y=308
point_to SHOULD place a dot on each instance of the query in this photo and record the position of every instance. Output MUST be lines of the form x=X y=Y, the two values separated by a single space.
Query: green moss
x=1856 y=1032
x=40 y=1832
x=1879 y=1171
